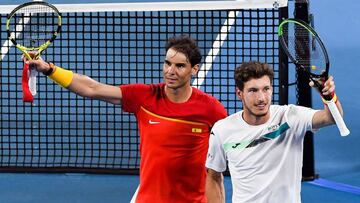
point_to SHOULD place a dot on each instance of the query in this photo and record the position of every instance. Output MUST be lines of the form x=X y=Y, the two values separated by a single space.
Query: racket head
x=33 y=26
x=304 y=48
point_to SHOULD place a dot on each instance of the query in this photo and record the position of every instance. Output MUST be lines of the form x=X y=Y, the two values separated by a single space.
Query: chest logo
x=196 y=130
x=153 y=122
x=276 y=131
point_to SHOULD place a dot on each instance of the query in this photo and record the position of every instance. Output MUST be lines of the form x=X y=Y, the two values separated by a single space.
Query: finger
x=24 y=58
x=325 y=88
x=29 y=61
x=311 y=83
x=329 y=79
x=317 y=83
x=328 y=90
x=32 y=66
x=32 y=54
x=329 y=84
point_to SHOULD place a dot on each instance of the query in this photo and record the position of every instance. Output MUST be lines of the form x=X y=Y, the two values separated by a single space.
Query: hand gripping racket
x=306 y=50
x=32 y=27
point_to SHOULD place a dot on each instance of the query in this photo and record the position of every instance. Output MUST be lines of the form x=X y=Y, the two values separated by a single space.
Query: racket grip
x=32 y=81
x=344 y=131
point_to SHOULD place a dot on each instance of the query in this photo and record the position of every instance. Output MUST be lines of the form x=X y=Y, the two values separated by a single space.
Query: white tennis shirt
x=265 y=161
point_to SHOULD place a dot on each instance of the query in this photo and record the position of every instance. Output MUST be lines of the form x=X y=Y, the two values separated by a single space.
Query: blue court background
x=337 y=158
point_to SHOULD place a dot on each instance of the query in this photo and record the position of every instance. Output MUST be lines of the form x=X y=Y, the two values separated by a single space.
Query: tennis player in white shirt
x=263 y=143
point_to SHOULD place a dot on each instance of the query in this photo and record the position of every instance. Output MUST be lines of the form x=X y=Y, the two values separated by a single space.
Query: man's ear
x=239 y=93
x=195 y=69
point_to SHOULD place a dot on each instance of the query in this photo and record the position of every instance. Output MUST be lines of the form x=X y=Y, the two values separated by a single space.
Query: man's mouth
x=171 y=79
x=261 y=106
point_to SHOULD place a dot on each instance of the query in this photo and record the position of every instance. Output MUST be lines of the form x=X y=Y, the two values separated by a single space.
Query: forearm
x=324 y=118
x=85 y=86
x=79 y=84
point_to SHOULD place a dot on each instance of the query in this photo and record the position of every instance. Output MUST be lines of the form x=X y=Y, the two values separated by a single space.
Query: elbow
x=84 y=91
x=89 y=93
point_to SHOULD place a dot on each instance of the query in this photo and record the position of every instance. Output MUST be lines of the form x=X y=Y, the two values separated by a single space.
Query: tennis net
x=120 y=44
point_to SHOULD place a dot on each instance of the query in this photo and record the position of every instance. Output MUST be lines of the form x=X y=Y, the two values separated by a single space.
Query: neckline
x=177 y=103
x=243 y=122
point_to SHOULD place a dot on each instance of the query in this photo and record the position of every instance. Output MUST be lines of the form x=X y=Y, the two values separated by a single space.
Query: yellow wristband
x=62 y=77
x=334 y=98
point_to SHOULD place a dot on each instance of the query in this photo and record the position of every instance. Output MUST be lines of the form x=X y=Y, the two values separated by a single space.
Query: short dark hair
x=185 y=45
x=252 y=70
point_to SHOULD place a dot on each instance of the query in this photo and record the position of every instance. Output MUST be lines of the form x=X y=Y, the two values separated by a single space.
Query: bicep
x=214 y=175
x=215 y=191
x=109 y=93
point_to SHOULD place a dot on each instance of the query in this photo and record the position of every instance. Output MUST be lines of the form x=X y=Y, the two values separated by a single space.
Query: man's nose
x=261 y=96
x=172 y=69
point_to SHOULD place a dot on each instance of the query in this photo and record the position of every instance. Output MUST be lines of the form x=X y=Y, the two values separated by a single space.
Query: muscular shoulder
x=142 y=88
x=208 y=105
x=204 y=97
x=289 y=110
x=136 y=95
x=228 y=122
x=293 y=114
x=297 y=111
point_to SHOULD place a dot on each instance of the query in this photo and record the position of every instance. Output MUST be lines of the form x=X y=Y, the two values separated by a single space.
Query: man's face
x=256 y=97
x=177 y=70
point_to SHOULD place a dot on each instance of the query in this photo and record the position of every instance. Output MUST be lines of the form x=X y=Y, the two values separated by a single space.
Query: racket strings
x=305 y=48
x=34 y=25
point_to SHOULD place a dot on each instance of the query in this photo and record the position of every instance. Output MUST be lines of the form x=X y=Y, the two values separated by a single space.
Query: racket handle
x=344 y=131
x=32 y=81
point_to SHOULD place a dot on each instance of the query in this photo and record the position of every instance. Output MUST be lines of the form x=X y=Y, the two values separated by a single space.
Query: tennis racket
x=306 y=50
x=32 y=27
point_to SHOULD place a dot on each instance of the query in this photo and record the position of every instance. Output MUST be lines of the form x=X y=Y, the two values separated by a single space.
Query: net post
x=305 y=99
x=283 y=65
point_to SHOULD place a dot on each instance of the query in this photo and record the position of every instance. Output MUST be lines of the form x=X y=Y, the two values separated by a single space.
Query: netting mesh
x=61 y=130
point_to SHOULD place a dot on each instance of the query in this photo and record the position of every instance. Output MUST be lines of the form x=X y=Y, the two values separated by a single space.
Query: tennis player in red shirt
x=174 y=121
